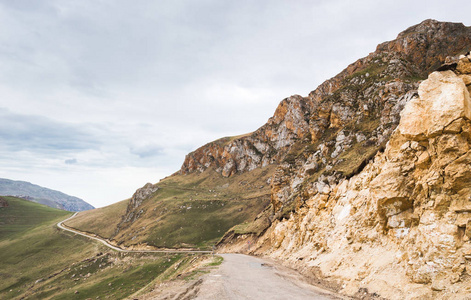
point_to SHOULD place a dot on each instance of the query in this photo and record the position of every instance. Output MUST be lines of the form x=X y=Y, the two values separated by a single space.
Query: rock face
x=359 y=106
x=401 y=226
x=132 y=211
x=258 y=149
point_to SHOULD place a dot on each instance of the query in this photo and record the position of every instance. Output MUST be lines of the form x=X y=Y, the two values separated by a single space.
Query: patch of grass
x=217 y=261
x=199 y=223
x=118 y=282
x=372 y=69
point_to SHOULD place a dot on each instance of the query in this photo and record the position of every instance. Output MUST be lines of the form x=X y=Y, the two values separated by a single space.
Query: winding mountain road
x=104 y=242
x=239 y=277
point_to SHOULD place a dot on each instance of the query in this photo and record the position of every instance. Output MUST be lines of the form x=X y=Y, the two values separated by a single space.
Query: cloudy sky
x=99 y=97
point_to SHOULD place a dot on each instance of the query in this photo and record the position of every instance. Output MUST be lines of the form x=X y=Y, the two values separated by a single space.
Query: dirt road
x=99 y=239
x=238 y=277
x=246 y=277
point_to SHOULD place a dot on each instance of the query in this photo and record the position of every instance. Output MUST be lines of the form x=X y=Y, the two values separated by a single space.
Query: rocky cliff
x=401 y=226
x=359 y=105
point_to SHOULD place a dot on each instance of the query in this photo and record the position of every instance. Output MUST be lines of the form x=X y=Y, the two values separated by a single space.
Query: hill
x=42 y=195
x=181 y=211
x=39 y=261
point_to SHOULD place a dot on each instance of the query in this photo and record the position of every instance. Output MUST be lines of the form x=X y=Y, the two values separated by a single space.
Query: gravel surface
x=246 y=277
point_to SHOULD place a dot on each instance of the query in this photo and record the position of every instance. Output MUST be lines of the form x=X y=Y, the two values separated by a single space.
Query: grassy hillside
x=195 y=210
x=22 y=215
x=101 y=221
x=40 y=261
x=187 y=211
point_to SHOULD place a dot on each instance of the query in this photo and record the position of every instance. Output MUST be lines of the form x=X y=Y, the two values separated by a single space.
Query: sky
x=97 y=98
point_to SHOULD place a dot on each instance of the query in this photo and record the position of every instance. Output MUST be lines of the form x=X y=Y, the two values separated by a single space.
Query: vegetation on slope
x=187 y=211
x=40 y=261
x=195 y=210
x=101 y=221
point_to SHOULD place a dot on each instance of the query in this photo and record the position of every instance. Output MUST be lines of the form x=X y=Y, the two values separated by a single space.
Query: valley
x=40 y=261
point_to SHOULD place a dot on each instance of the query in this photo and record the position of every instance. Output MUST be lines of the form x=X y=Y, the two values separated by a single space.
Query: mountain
x=364 y=182
x=401 y=227
x=378 y=200
x=42 y=195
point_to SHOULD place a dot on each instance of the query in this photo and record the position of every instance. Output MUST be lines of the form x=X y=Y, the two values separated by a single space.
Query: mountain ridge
x=39 y=194
x=297 y=116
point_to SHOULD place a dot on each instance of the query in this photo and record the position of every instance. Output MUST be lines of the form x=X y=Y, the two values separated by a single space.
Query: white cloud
x=126 y=89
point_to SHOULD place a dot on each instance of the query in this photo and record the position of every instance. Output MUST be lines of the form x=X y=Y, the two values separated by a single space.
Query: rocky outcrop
x=357 y=108
x=142 y=194
x=133 y=212
x=258 y=149
x=401 y=226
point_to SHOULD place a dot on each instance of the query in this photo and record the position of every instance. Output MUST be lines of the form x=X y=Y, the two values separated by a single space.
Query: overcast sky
x=99 y=97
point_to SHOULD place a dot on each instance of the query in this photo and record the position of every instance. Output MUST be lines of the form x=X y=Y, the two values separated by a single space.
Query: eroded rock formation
x=400 y=227
x=360 y=105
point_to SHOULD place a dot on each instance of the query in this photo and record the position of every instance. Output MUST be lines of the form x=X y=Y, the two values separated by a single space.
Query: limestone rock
x=443 y=98
x=142 y=193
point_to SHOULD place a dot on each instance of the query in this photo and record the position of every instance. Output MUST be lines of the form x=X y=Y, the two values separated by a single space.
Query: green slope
x=187 y=211
x=21 y=216
x=40 y=261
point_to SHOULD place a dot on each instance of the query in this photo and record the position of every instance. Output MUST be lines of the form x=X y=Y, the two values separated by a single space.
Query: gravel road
x=99 y=239
x=246 y=277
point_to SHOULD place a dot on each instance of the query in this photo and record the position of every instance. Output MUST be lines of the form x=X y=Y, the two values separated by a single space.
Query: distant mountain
x=42 y=195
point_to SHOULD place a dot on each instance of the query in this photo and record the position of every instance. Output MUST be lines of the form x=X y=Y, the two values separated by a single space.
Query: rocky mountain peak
x=357 y=108
x=427 y=44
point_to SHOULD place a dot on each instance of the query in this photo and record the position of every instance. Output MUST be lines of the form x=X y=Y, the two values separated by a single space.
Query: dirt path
x=104 y=242
x=246 y=277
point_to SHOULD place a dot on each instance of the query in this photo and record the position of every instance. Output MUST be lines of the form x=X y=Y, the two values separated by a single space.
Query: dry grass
x=102 y=221
x=188 y=211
